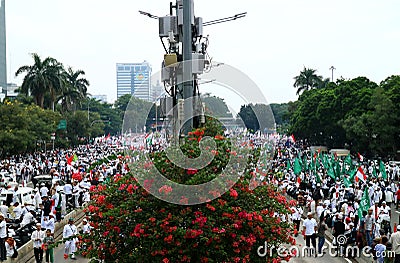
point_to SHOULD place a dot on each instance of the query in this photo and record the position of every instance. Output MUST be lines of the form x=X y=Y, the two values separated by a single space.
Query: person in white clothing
x=4 y=209
x=37 y=237
x=68 y=192
x=389 y=197
x=75 y=193
x=10 y=245
x=43 y=190
x=85 y=226
x=313 y=206
x=17 y=211
x=69 y=235
x=320 y=209
x=37 y=197
x=49 y=223
x=3 y=236
x=310 y=229
x=28 y=218
x=297 y=211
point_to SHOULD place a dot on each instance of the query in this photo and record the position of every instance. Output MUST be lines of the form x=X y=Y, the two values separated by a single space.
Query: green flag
x=324 y=159
x=305 y=163
x=347 y=160
x=337 y=169
x=297 y=166
x=374 y=171
x=382 y=170
x=343 y=169
x=364 y=203
x=312 y=165
x=352 y=173
x=331 y=173
x=318 y=177
x=288 y=165
x=346 y=182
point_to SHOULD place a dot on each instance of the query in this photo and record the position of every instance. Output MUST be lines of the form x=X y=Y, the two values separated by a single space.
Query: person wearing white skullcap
x=395 y=240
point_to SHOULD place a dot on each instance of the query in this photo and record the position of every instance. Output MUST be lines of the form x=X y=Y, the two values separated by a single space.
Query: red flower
x=65 y=256
x=233 y=193
x=101 y=199
x=130 y=189
x=198 y=133
x=210 y=207
x=191 y=171
x=219 y=137
x=168 y=239
x=117 y=229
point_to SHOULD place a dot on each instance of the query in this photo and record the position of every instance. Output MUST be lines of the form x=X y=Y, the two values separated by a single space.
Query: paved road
x=59 y=256
x=327 y=258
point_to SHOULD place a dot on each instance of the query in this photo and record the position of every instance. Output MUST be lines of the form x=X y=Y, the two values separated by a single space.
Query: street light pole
x=156 y=115
x=187 y=66
x=332 y=68
x=88 y=110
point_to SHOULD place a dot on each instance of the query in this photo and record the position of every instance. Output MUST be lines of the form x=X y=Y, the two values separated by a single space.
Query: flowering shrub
x=131 y=225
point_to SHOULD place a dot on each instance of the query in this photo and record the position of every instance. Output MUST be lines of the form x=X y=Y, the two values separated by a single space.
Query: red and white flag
x=360 y=175
x=360 y=157
x=292 y=138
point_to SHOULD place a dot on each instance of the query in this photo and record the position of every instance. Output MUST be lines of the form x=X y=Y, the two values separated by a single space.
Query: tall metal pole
x=332 y=68
x=156 y=114
x=187 y=69
x=88 y=110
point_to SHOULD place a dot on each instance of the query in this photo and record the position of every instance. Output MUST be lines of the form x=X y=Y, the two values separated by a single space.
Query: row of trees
x=50 y=89
x=357 y=113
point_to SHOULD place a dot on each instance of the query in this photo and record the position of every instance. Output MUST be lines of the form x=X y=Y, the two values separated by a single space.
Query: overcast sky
x=271 y=45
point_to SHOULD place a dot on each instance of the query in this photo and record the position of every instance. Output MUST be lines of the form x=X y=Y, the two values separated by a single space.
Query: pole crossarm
x=148 y=14
x=226 y=19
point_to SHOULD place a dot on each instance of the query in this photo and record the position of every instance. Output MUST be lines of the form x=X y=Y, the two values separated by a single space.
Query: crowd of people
x=357 y=202
x=72 y=172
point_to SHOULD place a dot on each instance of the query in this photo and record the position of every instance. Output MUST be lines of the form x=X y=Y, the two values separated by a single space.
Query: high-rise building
x=3 y=62
x=156 y=91
x=101 y=98
x=134 y=79
x=12 y=90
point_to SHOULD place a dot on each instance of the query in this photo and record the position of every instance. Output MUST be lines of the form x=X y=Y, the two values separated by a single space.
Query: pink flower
x=166 y=189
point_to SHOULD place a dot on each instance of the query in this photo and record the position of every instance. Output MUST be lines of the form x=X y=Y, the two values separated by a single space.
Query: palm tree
x=74 y=90
x=42 y=77
x=324 y=83
x=307 y=79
